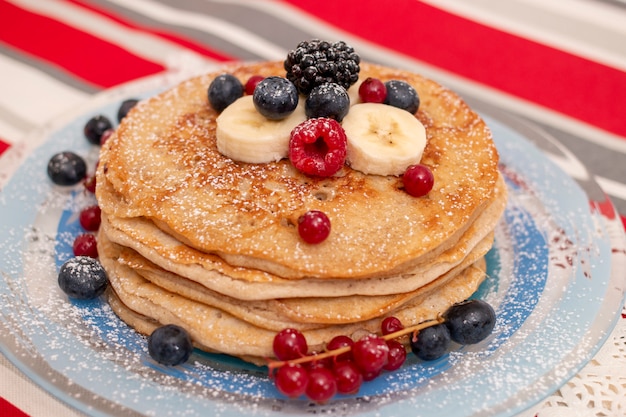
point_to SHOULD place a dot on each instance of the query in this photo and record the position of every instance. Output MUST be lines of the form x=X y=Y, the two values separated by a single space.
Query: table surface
x=558 y=65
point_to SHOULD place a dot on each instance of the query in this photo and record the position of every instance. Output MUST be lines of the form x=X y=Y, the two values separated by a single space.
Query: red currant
x=90 y=218
x=339 y=342
x=348 y=376
x=370 y=354
x=252 y=83
x=370 y=376
x=372 y=90
x=391 y=325
x=85 y=245
x=90 y=184
x=322 y=385
x=106 y=135
x=396 y=355
x=418 y=180
x=318 y=147
x=291 y=380
x=289 y=344
x=313 y=226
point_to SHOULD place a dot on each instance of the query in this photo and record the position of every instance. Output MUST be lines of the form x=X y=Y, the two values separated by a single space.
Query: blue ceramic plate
x=552 y=278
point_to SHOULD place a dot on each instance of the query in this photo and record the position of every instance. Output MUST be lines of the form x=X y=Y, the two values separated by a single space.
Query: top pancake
x=163 y=164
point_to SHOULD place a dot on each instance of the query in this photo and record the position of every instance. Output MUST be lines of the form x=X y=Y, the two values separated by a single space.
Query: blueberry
x=470 y=321
x=125 y=107
x=402 y=95
x=82 y=277
x=170 y=345
x=95 y=127
x=431 y=343
x=275 y=97
x=327 y=100
x=67 y=168
x=223 y=91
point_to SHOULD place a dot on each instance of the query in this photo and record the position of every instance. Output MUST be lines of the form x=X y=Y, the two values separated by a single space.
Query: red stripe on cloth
x=3 y=146
x=82 y=55
x=180 y=40
x=9 y=410
x=569 y=84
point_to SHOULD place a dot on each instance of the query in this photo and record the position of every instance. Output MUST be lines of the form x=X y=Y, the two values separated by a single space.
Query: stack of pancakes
x=193 y=238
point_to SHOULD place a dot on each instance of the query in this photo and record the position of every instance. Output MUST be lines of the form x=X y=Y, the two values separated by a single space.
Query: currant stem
x=336 y=352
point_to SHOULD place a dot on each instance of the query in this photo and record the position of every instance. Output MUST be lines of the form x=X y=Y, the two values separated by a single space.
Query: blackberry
x=316 y=62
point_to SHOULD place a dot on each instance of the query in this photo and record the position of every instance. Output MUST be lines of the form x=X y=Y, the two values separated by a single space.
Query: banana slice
x=243 y=134
x=383 y=140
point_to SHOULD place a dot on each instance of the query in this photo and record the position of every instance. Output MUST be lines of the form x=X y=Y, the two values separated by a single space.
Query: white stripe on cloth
x=589 y=29
x=32 y=400
x=220 y=28
x=31 y=96
x=142 y=44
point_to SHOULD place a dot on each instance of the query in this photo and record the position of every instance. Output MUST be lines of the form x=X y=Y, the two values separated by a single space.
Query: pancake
x=246 y=213
x=215 y=274
x=277 y=314
x=194 y=238
x=217 y=330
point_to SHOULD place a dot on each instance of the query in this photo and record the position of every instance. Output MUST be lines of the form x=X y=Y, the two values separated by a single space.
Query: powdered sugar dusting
x=548 y=276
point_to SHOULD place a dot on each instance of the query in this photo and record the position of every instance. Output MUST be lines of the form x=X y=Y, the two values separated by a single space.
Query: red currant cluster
x=345 y=364
x=85 y=243
x=97 y=130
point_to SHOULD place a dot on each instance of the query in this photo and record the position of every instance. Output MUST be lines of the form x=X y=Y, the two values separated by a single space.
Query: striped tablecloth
x=560 y=65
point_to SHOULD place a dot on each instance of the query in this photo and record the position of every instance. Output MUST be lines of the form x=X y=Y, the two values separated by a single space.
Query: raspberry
x=318 y=147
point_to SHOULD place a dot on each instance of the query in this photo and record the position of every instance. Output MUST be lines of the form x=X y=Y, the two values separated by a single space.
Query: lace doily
x=599 y=389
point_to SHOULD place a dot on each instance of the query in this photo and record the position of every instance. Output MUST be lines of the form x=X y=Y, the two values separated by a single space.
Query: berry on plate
x=251 y=84
x=402 y=95
x=372 y=90
x=431 y=343
x=82 y=277
x=317 y=147
x=314 y=226
x=291 y=380
x=85 y=245
x=67 y=168
x=470 y=322
x=289 y=344
x=327 y=100
x=275 y=97
x=418 y=180
x=170 y=345
x=224 y=90
x=317 y=62
x=89 y=218
x=125 y=107
x=95 y=127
